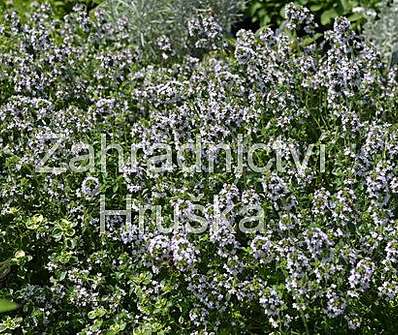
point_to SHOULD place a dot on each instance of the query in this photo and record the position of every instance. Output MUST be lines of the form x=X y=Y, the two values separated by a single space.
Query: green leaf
x=265 y=20
x=255 y=7
x=316 y=7
x=328 y=15
x=355 y=17
x=346 y=5
x=7 y=306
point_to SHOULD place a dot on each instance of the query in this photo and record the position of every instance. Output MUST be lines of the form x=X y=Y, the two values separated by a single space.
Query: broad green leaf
x=346 y=5
x=328 y=15
x=316 y=7
x=7 y=306
x=254 y=8
x=355 y=17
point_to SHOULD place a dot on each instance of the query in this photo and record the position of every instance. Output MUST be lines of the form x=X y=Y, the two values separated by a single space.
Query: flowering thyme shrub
x=322 y=260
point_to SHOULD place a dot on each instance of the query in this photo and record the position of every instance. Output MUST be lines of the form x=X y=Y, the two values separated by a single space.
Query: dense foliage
x=154 y=25
x=321 y=257
x=383 y=32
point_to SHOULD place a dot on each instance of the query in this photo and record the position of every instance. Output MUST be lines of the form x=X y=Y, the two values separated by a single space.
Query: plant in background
x=383 y=31
x=161 y=28
x=270 y=12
